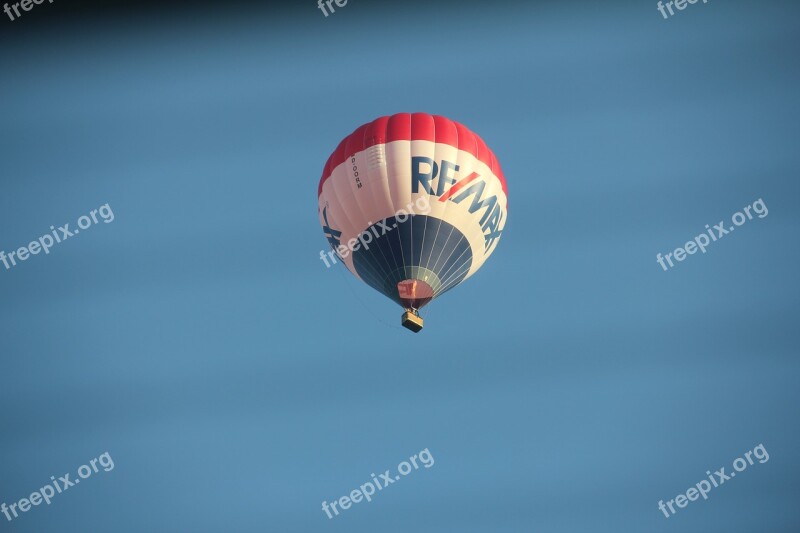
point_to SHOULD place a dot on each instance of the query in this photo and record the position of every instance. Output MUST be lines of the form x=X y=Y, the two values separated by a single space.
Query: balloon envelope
x=413 y=204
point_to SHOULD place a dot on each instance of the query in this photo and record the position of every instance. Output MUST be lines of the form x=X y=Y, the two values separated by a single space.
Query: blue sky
x=237 y=383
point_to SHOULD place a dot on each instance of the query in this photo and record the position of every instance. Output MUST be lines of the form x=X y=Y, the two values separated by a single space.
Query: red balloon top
x=413 y=127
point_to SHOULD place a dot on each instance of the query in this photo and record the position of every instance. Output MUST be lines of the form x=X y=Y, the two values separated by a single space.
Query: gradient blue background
x=237 y=383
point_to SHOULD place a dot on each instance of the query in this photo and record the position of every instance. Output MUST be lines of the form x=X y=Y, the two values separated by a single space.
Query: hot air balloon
x=412 y=204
